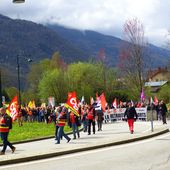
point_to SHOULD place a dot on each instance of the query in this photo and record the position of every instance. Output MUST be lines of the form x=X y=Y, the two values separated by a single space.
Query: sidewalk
x=112 y=134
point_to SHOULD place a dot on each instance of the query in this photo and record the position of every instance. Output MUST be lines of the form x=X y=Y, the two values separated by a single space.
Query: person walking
x=61 y=123
x=100 y=118
x=59 y=109
x=5 y=126
x=84 y=118
x=73 y=119
x=131 y=116
x=163 y=110
x=91 y=119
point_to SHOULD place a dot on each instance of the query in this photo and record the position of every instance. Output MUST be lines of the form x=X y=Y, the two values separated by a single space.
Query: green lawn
x=32 y=130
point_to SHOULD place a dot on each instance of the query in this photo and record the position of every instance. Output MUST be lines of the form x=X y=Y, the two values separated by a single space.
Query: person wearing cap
x=4 y=131
x=131 y=115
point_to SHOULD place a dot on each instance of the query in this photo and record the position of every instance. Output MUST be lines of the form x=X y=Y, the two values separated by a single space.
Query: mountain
x=27 y=39
x=92 y=42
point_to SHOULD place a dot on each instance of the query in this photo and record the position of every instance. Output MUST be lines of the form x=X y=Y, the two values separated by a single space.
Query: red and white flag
x=12 y=109
x=72 y=103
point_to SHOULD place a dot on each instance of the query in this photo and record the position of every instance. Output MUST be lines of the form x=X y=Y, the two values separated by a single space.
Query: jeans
x=4 y=137
x=56 y=132
x=75 y=130
x=61 y=133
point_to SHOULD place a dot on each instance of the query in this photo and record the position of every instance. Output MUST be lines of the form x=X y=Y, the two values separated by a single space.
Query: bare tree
x=131 y=59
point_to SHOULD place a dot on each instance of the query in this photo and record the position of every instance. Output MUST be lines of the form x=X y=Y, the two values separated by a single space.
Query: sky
x=104 y=16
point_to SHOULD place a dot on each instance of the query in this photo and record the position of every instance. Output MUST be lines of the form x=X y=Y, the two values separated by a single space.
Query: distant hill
x=28 y=39
x=92 y=42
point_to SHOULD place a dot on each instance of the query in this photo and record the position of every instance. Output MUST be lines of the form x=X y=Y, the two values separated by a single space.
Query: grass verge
x=33 y=130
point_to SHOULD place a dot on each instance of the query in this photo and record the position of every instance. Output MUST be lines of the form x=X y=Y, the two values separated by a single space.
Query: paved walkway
x=112 y=134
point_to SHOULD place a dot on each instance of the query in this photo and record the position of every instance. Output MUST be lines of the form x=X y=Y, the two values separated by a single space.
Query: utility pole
x=18 y=66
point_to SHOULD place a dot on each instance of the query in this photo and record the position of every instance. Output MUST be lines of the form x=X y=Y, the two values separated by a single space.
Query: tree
x=57 y=62
x=53 y=84
x=131 y=60
x=164 y=93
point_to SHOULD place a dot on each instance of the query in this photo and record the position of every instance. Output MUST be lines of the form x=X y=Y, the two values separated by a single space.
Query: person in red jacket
x=91 y=119
x=4 y=131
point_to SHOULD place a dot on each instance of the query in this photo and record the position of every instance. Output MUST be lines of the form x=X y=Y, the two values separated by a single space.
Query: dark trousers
x=61 y=133
x=91 y=122
x=164 y=118
x=56 y=132
x=4 y=137
x=99 y=124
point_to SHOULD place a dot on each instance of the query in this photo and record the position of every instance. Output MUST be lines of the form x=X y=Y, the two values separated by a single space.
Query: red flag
x=13 y=108
x=72 y=103
x=103 y=101
x=115 y=104
x=155 y=100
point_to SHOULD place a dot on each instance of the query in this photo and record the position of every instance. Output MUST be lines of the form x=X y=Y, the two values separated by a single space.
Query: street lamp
x=18 y=66
x=18 y=1
x=19 y=87
x=18 y=75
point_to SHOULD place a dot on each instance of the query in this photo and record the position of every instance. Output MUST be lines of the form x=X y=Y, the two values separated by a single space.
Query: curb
x=55 y=154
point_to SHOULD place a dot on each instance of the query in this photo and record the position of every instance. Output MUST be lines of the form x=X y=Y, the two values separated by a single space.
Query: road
x=151 y=154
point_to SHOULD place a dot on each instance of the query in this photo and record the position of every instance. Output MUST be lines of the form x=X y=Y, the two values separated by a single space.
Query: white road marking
x=85 y=152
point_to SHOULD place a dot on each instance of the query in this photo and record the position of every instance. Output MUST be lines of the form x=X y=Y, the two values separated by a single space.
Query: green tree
x=53 y=84
x=164 y=93
x=11 y=92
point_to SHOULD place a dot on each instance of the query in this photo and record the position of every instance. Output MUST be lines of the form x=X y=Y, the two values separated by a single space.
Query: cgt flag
x=72 y=103
x=12 y=109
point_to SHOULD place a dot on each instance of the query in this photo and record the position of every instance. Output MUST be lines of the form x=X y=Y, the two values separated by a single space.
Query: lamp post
x=18 y=1
x=18 y=75
x=18 y=66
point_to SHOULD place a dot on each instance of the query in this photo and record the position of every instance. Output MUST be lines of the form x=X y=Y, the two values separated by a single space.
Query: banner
x=118 y=114
x=12 y=109
x=72 y=103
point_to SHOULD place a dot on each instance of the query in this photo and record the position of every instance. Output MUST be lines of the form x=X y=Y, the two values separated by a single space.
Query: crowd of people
x=88 y=116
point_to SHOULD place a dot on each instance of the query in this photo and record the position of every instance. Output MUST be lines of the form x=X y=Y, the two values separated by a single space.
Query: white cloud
x=106 y=16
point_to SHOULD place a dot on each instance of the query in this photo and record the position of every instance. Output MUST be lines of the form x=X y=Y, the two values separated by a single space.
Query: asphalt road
x=151 y=154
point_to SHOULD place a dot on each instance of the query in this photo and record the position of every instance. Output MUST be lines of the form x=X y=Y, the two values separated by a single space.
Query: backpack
x=8 y=121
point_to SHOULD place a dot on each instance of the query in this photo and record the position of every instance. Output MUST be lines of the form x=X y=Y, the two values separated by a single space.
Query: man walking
x=4 y=130
x=61 y=123
x=163 y=110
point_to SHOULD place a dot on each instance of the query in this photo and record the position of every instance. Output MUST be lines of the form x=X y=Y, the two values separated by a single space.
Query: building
x=157 y=78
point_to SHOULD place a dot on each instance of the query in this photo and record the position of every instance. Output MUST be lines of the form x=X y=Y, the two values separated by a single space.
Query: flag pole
x=152 y=117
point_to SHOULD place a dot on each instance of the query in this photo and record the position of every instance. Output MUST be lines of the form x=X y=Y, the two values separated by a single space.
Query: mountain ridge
x=26 y=38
